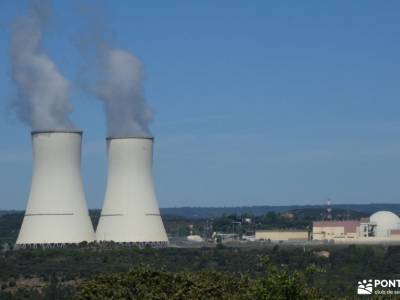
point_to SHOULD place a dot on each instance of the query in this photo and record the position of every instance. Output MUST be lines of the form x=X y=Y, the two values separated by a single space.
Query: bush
x=147 y=283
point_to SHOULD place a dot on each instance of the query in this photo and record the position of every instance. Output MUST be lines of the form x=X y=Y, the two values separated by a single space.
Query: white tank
x=130 y=211
x=56 y=212
x=385 y=221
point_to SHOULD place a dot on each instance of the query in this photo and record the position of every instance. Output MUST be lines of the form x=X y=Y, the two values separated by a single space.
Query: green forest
x=84 y=272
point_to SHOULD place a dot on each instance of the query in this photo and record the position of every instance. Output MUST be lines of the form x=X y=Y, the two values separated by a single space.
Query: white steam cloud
x=113 y=75
x=120 y=87
x=42 y=92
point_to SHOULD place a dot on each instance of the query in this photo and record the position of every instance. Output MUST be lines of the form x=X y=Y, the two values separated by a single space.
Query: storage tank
x=130 y=212
x=56 y=212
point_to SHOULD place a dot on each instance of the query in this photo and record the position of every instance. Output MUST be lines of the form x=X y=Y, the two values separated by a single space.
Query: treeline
x=9 y=227
x=215 y=212
x=247 y=223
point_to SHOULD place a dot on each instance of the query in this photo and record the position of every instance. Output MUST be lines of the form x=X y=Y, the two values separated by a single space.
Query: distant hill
x=212 y=212
x=6 y=212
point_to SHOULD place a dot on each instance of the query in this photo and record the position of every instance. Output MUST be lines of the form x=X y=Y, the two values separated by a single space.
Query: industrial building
x=282 y=235
x=56 y=213
x=130 y=212
x=382 y=226
x=379 y=227
x=327 y=230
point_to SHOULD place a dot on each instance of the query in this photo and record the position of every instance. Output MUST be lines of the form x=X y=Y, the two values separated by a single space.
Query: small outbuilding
x=282 y=235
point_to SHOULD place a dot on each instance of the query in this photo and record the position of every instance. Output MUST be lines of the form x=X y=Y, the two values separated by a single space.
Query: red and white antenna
x=328 y=210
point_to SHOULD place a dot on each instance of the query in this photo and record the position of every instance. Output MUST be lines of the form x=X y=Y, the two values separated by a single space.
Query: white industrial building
x=56 y=213
x=282 y=235
x=130 y=212
x=382 y=226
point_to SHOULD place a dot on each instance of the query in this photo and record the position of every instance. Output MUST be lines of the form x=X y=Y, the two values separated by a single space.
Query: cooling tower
x=130 y=211
x=56 y=213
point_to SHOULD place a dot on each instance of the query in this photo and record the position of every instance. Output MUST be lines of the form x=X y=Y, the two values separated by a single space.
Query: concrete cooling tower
x=56 y=213
x=130 y=211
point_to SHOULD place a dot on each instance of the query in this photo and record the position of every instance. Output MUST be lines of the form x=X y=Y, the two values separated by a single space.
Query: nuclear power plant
x=130 y=211
x=382 y=226
x=57 y=212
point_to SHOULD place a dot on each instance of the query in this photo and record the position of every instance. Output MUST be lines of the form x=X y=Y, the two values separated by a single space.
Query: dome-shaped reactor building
x=385 y=222
x=130 y=212
x=56 y=213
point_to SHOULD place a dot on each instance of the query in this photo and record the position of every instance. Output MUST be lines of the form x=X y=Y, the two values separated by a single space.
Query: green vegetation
x=215 y=212
x=62 y=270
x=9 y=227
x=146 y=283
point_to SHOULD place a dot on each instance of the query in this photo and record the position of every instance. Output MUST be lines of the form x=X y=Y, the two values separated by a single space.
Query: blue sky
x=256 y=103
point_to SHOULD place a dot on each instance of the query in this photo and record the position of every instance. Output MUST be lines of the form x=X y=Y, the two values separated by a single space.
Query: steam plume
x=121 y=89
x=113 y=75
x=42 y=92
